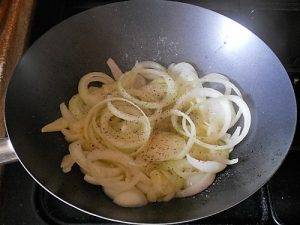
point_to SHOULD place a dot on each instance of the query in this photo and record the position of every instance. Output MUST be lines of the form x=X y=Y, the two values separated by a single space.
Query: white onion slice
x=66 y=114
x=184 y=71
x=226 y=118
x=56 y=125
x=206 y=166
x=110 y=155
x=83 y=86
x=247 y=120
x=67 y=163
x=114 y=68
x=197 y=92
x=91 y=119
x=122 y=115
x=228 y=85
x=131 y=198
x=199 y=184
x=151 y=65
x=70 y=136
x=231 y=161
x=192 y=135
x=221 y=79
x=213 y=93
x=170 y=92
x=77 y=155
x=111 y=192
x=214 y=76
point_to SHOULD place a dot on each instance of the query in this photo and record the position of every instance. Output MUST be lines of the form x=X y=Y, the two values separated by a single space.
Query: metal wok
x=164 y=32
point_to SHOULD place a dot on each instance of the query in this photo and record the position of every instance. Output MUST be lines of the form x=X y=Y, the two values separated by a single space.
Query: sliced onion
x=67 y=163
x=148 y=65
x=226 y=118
x=111 y=139
x=109 y=133
x=214 y=76
x=66 y=114
x=197 y=92
x=234 y=136
x=77 y=107
x=122 y=115
x=90 y=179
x=192 y=135
x=56 y=125
x=111 y=192
x=139 y=82
x=109 y=155
x=200 y=183
x=117 y=158
x=125 y=185
x=83 y=86
x=121 y=140
x=93 y=179
x=69 y=136
x=221 y=79
x=170 y=92
x=237 y=100
x=231 y=161
x=115 y=70
x=103 y=170
x=163 y=146
x=247 y=120
x=184 y=71
x=131 y=198
x=77 y=155
x=148 y=190
x=206 y=166
x=228 y=85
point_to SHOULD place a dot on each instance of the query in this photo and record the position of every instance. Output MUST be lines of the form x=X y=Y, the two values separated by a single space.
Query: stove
x=277 y=22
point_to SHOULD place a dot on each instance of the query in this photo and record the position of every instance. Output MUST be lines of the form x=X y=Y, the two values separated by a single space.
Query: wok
x=165 y=32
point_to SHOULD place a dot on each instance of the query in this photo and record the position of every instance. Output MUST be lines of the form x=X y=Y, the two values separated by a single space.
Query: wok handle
x=7 y=152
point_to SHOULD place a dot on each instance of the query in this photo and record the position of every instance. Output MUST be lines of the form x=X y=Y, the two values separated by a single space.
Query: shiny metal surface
x=14 y=24
x=165 y=32
x=7 y=152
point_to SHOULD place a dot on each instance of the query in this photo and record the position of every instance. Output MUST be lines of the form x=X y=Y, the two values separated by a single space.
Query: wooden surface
x=15 y=17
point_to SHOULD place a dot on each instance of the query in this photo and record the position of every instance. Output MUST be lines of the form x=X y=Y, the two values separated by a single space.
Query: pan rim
x=293 y=129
